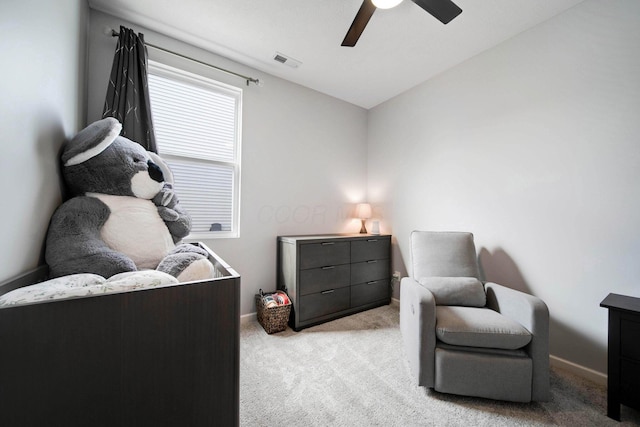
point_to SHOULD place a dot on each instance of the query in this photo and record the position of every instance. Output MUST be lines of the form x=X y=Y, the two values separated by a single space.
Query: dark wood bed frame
x=166 y=356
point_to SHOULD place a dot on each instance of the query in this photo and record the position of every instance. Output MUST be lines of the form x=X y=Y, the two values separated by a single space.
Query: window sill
x=212 y=235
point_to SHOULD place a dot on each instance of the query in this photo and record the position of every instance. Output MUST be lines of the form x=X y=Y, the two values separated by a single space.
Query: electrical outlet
x=396 y=276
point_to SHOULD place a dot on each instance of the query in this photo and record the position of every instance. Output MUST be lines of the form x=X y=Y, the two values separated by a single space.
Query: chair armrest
x=417 y=325
x=532 y=313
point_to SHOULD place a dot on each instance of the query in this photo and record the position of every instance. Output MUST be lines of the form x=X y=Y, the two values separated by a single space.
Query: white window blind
x=197 y=127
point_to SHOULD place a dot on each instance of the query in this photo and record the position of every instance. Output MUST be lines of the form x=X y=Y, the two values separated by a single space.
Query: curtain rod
x=248 y=79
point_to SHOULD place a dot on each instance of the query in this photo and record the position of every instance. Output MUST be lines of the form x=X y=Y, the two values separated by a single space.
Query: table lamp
x=363 y=212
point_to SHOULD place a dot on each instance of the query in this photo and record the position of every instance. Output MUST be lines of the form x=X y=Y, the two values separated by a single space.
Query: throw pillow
x=465 y=291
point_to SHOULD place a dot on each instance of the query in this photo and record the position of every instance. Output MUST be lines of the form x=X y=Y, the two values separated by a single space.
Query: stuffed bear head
x=98 y=160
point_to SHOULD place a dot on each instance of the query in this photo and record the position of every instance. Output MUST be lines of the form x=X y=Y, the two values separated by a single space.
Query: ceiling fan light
x=385 y=4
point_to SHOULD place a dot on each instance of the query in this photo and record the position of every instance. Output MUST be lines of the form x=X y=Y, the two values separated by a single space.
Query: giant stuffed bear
x=122 y=215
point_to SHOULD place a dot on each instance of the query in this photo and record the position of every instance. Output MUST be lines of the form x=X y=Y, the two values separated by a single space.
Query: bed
x=162 y=356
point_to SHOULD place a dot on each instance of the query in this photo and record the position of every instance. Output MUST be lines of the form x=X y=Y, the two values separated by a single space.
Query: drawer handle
x=372 y=240
x=372 y=283
x=372 y=261
x=327 y=243
x=329 y=267
x=330 y=291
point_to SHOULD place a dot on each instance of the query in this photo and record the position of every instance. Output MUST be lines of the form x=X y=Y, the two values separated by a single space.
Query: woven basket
x=272 y=319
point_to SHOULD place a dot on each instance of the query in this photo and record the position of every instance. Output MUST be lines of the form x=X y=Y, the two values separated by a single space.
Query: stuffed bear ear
x=91 y=141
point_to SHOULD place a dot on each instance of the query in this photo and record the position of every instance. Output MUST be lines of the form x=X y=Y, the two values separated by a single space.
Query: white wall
x=533 y=146
x=303 y=156
x=41 y=104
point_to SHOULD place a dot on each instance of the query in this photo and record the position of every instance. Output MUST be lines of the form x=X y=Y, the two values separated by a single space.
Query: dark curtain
x=128 y=92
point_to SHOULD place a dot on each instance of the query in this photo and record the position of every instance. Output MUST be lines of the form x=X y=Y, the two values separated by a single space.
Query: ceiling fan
x=443 y=10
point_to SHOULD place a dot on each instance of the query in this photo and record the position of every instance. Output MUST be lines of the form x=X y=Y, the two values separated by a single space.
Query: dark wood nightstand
x=623 y=378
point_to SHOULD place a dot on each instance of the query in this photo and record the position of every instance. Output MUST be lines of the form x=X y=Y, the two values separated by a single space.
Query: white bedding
x=80 y=285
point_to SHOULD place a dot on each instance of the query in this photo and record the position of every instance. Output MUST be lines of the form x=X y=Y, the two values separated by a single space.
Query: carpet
x=352 y=372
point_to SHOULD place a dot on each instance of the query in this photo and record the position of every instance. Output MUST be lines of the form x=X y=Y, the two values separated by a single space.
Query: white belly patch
x=135 y=229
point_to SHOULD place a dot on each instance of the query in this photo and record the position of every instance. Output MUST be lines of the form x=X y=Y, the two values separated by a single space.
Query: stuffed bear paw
x=167 y=214
x=200 y=269
x=188 y=263
x=175 y=218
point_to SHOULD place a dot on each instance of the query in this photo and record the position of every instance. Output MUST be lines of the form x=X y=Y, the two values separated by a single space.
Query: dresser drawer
x=321 y=279
x=323 y=303
x=366 y=250
x=630 y=339
x=363 y=272
x=366 y=293
x=313 y=255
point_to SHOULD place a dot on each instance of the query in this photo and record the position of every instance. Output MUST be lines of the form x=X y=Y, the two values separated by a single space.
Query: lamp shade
x=385 y=4
x=363 y=211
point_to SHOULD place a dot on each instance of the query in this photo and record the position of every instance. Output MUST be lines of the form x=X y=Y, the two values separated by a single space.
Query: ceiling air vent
x=286 y=60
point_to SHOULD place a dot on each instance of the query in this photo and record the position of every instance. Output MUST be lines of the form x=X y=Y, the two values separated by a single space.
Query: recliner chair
x=465 y=337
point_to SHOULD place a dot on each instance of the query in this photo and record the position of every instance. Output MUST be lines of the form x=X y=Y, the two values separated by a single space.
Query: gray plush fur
x=104 y=171
x=91 y=137
x=117 y=164
x=74 y=244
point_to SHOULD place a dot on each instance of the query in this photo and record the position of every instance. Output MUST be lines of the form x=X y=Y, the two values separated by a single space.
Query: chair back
x=443 y=254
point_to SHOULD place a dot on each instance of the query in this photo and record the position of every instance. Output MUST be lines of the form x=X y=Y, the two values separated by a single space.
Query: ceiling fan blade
x=359 y=23
x=443 y=10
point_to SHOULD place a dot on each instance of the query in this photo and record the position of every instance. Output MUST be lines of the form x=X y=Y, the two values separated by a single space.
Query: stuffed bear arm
x=175 y=218
x=74 y=244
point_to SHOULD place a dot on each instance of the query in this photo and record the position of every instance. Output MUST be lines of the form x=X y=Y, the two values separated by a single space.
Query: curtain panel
x=128 y=92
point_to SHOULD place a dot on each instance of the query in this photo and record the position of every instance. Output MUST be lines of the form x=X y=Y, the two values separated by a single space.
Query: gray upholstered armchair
x=465 y=337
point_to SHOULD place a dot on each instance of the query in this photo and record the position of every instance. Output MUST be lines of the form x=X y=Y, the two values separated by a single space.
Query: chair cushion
x=479 y=327
x=443 y=253
x=466 y=291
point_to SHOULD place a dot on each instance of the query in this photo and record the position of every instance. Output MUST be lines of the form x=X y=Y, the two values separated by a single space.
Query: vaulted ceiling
x=399 y=48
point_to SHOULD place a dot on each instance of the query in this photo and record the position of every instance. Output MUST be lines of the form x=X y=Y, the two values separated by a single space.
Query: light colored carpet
x=351 y=372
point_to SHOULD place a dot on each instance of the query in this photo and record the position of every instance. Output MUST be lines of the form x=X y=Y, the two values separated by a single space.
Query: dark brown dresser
x=330 y=276
x=623 y=378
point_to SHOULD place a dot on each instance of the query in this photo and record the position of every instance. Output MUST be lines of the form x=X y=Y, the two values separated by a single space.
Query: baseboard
x=581 y=371
x=253 y=317
x=246 y=318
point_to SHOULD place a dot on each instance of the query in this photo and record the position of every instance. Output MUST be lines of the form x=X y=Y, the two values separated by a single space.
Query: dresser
x=623 y=376
x=330 y=276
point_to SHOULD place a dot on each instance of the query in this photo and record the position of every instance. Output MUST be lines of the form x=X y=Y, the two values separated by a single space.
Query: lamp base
x=363 y=229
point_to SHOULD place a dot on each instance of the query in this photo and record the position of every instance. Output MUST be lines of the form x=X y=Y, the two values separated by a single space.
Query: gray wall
x=41 y=104
x=533 y=146
x=303 y=155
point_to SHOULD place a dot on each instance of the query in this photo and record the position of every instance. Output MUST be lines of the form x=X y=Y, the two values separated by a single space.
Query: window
x=197 y=123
